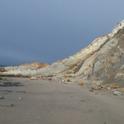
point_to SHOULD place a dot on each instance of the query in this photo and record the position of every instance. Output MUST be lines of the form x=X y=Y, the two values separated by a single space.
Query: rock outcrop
x=103 y=60
x=23 y=69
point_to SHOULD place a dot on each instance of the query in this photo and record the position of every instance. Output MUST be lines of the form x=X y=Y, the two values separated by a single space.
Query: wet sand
x=50 y=102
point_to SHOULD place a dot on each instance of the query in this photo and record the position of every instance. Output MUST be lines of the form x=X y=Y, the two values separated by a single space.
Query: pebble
x=12 y=105
x=20 y=98
x=2 y=97
x=117 y=93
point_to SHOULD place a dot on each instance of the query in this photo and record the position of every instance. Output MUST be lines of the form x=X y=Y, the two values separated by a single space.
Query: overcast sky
x=49 y=30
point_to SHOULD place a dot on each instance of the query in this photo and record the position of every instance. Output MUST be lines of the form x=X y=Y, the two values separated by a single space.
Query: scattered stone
x=19 y=98
x=91 y=90
x=33 y=78
x=108 y=88
x=97 y=87
x=81 y=82
x=68 y=80
x=12 y=105
x=2 y=97
x=63 y=80
x=49 y=78
x=116 y=93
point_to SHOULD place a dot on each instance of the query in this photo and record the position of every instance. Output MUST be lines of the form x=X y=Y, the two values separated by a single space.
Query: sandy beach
x=50 y=102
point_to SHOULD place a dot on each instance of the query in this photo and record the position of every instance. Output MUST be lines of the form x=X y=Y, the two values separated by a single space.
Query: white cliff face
x=103 y=59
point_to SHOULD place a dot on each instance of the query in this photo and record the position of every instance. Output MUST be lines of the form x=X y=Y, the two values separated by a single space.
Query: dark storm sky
x=48 y=30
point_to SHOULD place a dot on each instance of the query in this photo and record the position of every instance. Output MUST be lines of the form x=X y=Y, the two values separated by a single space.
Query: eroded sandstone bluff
x=102 y=60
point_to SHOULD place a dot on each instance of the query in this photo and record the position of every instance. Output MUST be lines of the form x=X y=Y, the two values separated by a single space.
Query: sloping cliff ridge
x=103 y=59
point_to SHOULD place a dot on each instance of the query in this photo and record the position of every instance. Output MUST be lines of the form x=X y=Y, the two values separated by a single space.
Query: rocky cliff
x=103 y=59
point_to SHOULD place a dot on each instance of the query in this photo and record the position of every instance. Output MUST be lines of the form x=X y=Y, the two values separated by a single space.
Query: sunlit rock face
x=103 y=59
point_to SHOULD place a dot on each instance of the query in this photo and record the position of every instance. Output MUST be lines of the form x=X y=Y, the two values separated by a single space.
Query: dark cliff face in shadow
x=120 y=36
x=112 y=61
